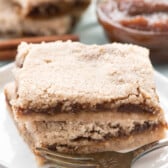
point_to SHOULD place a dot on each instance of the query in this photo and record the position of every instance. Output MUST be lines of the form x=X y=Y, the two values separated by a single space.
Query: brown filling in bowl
x=141 y=22
x=138 y=14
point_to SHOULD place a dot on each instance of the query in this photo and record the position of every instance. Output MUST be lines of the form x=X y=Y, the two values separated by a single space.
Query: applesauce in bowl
x=141 y=22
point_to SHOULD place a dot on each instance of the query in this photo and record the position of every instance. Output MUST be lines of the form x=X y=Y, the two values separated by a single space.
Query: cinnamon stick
x=13 y=43
x=8 y=48
x=7 y=55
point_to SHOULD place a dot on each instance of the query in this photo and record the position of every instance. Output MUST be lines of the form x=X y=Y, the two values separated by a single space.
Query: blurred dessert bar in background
x=85 y=99
x=47 y=8
x=42 y=17
x=135 y=7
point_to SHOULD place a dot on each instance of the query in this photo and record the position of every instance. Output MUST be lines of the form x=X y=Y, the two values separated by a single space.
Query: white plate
x=16 y=154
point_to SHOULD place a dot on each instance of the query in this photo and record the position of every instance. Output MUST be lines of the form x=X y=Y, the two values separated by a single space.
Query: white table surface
x=90 y=32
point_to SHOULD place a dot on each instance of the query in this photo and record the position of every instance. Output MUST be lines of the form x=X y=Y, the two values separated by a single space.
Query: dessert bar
x=77 y=98
x=45 y=8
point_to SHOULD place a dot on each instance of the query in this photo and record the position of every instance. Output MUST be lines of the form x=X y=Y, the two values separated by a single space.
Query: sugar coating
x=72 y=72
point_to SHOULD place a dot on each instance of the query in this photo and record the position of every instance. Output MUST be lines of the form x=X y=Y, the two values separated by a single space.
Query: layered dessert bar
x=50 y=7
x=76 y=98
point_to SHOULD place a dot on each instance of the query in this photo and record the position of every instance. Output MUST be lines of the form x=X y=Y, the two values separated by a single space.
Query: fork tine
x=63 y=156
x=67 y=160
x=54 y=166
x=66 y=163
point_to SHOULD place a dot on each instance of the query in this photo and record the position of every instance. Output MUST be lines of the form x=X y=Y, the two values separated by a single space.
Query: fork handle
x=149 y=148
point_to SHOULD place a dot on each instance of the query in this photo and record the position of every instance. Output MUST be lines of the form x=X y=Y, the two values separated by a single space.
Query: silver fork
x=99 y=160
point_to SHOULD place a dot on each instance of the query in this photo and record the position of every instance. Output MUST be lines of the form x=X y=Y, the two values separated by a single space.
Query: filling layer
x=124 y=114
x=65 y=107
x=70 y=133
x=147 y=136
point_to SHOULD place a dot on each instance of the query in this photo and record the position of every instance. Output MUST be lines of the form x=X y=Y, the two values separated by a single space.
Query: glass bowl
x=157 y=42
